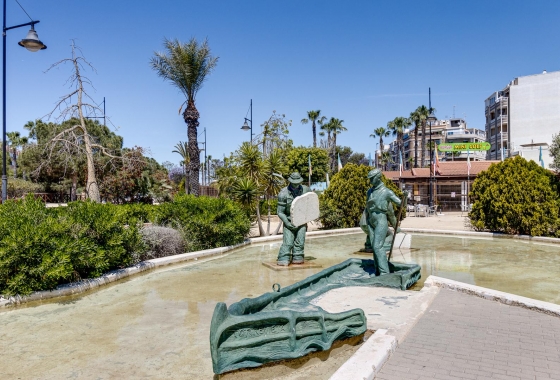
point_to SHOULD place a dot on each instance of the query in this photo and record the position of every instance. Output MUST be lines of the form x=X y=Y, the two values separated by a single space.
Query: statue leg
x=378 y=241
x=299 y=245
x=285 y=253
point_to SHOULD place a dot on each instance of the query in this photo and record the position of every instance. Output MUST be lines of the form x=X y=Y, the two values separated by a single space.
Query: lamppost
x=246 y=126
x=431 y=119
x=32 y=43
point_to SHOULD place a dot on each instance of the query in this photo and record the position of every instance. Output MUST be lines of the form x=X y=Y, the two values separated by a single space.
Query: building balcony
x=499 y=137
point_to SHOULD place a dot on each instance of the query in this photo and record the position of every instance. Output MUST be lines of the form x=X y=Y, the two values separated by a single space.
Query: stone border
x=89 y=284
x=540 y=239
x=494 y=295
x=93 y=283
x=369 y=358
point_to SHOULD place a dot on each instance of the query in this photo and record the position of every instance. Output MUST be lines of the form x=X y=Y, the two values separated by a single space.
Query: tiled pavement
x=466 y=337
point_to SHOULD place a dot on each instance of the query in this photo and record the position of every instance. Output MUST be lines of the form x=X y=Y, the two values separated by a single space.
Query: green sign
x=458 y=147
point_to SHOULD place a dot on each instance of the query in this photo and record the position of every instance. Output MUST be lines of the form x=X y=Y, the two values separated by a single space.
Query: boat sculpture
x=283 y=324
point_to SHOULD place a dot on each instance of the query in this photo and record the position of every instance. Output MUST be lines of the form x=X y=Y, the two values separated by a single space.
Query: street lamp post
x=32 y=43
x=246 y=126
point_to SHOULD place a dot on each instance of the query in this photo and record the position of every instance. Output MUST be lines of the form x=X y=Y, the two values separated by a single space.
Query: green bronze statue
x=291 y=251
x=376 y=217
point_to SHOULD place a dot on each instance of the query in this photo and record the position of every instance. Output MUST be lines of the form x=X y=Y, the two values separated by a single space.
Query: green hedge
x=41 y=247
x=206 y=222
x=516 y=196
x=343 y=202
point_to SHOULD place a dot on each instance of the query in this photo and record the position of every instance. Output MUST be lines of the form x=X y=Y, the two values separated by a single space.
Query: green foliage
x=17 y=188
x=343 y=202
x=41 y=248
x=555 y=152
x=207 y=222
x=298 y=161
x=516 y=196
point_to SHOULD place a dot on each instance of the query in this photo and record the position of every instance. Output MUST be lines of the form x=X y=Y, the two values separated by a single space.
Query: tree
x=343 y=202
x=333 y=128
x=419 y=117
x=272 y=180
x=314 y=116
x=298 y=161
x=358 y=159
x=275 y=134
x=516 y=196
x=398 y=125
x=16 y=141
x=344 y=152
x=76 y=138
x=555 y=152
x=385 y=159
x=187 y=66
x=183 y=150
x=381 y=132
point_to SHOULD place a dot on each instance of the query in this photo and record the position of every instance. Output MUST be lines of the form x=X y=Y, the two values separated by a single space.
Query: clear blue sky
x=365 y=62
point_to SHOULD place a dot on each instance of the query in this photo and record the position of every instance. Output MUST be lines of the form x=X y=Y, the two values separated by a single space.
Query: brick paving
x=466 y=337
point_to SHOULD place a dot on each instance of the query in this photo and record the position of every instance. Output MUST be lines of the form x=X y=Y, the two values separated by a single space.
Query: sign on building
x=458 y=147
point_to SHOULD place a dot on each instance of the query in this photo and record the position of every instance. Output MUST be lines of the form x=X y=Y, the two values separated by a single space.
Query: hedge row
x=41 y=247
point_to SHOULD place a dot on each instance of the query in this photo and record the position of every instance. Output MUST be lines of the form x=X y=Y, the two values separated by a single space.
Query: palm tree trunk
x=191 y=117
x=334 y=152
x=423 y=147
x=15 y=163
x=314 y=127
x=416 y=146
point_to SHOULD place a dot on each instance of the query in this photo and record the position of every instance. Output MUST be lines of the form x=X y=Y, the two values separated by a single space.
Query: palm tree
x=183 y=150
x=385 y=159
x=421 y=114
x=334 y=127
x=416 y=117
x=16 y=140
x=313 y=116
x=251 y=167
x=398 y=125
x=187 y=66
x=381 y=132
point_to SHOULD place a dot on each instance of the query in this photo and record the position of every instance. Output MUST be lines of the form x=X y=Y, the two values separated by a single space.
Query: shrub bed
x=41 y=248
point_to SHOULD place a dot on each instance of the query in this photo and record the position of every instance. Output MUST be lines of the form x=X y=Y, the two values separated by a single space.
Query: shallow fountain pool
x=157 y=324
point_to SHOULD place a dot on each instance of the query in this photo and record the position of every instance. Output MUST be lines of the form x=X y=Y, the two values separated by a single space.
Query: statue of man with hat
x=376 y=217
x=291 y=251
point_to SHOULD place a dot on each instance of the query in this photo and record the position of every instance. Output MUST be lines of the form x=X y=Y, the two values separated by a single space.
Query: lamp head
x=31 y=42
x=245 y=126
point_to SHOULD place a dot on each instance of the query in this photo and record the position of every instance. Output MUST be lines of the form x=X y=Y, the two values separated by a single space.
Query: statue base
x=306 y=265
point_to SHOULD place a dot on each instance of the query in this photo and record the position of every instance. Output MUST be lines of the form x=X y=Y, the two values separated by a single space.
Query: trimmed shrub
x=343 y=202
x=161 y=242
x=516 y=196
x=41 y=248
x=206 y=222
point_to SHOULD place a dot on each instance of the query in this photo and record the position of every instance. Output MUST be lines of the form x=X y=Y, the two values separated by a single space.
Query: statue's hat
x=295 y=178
x=374 y=173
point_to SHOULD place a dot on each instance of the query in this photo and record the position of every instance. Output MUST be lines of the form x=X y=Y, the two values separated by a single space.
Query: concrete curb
x=93 y=283
x=497 y=235
x=89 y=284
x=368 y=360
x=494 y=295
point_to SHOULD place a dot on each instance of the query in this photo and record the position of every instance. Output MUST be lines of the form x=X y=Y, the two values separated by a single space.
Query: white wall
x=535 y=113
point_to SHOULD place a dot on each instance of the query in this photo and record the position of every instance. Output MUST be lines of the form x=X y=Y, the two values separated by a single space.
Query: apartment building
x=522 y=118
x=442 y=131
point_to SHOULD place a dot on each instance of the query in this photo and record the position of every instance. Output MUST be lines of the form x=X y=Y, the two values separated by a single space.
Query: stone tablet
x=305 y=208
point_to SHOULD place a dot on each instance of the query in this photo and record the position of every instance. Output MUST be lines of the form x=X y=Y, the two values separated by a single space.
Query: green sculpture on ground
x=284 y=324
x=291 y=251
x=375 y=220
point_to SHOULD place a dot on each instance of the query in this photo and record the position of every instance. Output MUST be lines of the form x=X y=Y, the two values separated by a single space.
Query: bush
x=41 y=248
x=516 y=196
x=161 y=242
x=17 y=188
x=343 y=202
x=206 y=222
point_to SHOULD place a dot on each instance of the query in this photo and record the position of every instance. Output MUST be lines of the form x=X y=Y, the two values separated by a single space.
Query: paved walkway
x=466 y=337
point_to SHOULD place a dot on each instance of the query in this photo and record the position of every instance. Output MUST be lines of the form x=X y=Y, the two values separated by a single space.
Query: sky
x=365 y=62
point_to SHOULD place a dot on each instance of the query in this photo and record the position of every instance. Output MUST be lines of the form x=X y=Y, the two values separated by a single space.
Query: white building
x=522 y=118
